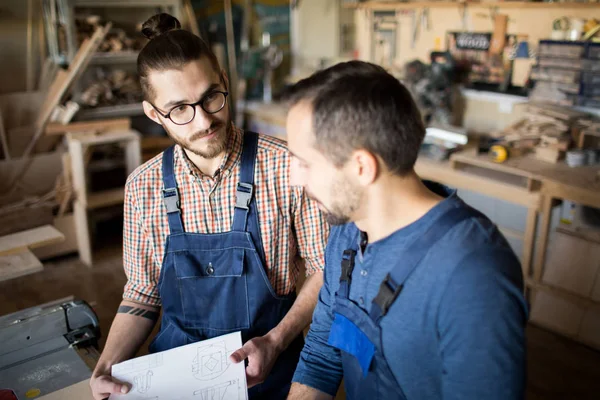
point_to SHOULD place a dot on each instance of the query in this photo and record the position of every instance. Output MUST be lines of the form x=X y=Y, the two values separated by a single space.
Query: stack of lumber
x=545 y=129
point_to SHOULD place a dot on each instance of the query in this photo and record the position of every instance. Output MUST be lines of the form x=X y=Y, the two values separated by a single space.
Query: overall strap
x=245 y=187
x=346 y=273
x=170 y=193
x=394 y=281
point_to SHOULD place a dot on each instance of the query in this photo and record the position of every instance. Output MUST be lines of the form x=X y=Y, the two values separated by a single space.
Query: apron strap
x=245 y=187
x=346 y=274
x=394 y=281
x=170 y=192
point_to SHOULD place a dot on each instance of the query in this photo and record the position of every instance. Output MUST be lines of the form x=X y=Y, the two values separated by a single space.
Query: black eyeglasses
x=184 y=113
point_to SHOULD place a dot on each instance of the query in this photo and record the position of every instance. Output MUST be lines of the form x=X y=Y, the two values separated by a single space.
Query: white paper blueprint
x=197 y=371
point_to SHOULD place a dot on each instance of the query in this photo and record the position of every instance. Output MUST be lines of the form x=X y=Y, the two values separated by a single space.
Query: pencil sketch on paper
x=197 y=371
x=211 y=361
x=218 y=391
x=143 y=381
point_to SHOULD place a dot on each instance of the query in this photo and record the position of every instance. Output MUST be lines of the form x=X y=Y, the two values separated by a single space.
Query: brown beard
x=215 y=146
x=340 y=211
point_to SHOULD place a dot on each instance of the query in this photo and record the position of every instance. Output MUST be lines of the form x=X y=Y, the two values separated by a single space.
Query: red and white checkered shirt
x=291 y=225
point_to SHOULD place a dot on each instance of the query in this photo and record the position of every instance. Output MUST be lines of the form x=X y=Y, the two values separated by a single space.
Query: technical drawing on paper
x=211 y=361
x=143 y=381
x=141 y=364
x=196 y=371
x=217 y=392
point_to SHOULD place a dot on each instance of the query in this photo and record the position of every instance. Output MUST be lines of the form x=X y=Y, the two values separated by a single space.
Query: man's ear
x=366 y=165
x=151 y=112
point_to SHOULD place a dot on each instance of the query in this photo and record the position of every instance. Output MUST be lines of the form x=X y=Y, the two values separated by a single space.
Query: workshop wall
x=536 y=23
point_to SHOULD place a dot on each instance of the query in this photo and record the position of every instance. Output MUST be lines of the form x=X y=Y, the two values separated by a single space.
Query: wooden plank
x=23 y=218
x=528 y=167
x=540 y=256
x=64 y=81
x=79 y=391
x=499 y=34
x=66 y=226
x=82 y=233
x=86 y=126
x=133 y=154
x=441 y=172
x=31 y=238
x=528 y=243
x=68 y=182
x=89 y=139
x=19 y=264
x=588 y=196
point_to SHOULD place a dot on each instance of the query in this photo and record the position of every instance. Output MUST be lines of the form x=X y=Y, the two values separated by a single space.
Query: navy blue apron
x=357 y=333
x=213 y=284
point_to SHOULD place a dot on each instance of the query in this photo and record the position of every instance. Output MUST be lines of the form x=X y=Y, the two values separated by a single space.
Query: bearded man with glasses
x=214 y=233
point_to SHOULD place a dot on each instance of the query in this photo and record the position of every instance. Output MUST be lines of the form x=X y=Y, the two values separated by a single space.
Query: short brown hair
x=359 y=105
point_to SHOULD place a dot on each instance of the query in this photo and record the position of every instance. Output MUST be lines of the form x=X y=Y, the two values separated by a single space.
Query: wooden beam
x=528 y=242
x=64 y=79
x=19 y=264
x=442 y=173
x=87 y=126
x=31 y=238
x=540 y=253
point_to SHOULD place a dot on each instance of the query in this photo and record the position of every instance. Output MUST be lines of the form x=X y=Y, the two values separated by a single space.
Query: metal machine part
x=46 y=348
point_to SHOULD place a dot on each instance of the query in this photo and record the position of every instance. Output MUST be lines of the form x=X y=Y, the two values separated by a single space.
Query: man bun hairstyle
x=358 y=105
x=169 y=47
x=159 y=24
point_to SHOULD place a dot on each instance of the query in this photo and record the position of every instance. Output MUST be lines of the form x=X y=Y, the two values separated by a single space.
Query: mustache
x=201 y=134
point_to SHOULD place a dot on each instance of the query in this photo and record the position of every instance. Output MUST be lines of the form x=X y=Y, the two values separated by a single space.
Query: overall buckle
x=388 y=291
x=171 y=200
x=243 y=195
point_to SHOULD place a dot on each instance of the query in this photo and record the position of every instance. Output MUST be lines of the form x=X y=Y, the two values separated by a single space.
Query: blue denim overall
x=213 y=284
x=357 y=333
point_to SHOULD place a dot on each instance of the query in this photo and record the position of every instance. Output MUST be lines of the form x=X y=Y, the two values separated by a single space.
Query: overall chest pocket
x=213 y=289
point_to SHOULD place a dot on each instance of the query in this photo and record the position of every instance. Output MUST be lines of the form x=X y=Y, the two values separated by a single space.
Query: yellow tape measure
x=499 y=153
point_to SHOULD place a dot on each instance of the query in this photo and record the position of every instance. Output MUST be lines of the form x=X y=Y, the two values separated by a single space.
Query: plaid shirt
x=291 y=225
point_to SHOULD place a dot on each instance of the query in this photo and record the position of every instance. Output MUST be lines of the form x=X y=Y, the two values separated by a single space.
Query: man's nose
x=202 y=120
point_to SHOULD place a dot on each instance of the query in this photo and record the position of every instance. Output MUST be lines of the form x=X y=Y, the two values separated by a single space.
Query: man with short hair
x=213 y=231
x=422 y=297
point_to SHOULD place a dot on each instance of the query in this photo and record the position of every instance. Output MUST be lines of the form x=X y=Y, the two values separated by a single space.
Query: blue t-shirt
x=456 y=331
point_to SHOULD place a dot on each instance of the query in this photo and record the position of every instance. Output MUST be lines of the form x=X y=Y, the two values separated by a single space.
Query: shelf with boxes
x=567 y=73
